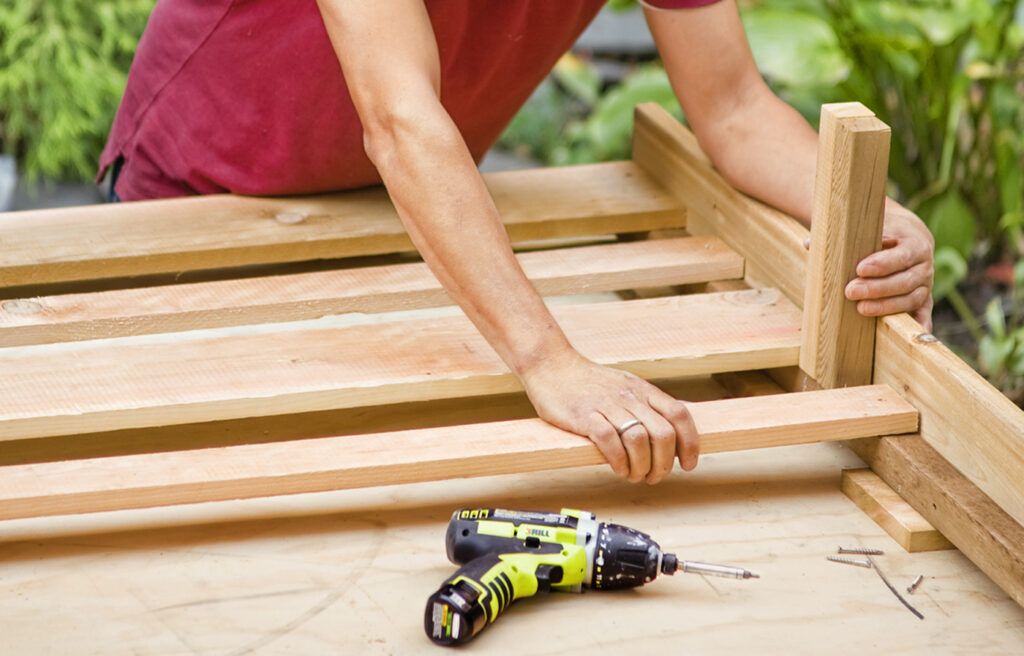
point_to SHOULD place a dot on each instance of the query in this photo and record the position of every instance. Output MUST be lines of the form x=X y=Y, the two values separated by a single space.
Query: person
x=268 y=98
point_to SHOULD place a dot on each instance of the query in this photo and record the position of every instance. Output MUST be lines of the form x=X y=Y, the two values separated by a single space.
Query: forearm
x=451 y=218
x=767 y=150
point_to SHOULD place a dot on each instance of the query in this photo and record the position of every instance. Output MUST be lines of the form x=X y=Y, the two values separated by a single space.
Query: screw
x=917 y=582
x=849 y=561
x=861 y=551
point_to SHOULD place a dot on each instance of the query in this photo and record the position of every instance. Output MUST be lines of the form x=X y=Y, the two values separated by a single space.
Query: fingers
x=904 y=255
x=602 y=434
x=662 y=437
x=923 y=315
x=635 y=441
x=687 y=437
x=894 y=305
x=897 y=284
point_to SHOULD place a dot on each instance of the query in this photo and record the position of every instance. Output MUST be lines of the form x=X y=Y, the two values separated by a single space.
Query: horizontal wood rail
x=168 y=236
x=334 y=463
x=159 y=380
x=170 y=308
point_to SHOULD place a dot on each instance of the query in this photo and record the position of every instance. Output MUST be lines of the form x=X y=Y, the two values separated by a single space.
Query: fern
x=63 y=65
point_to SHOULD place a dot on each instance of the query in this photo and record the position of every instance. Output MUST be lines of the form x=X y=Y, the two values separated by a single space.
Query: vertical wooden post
x=837 y=348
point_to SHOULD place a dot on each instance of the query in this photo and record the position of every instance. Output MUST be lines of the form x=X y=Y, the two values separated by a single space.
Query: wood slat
x=171 y=308
x=159 y=380
x=324 y=423
x=771 y=242
x=899 y=519
x=958 y=508
x=964 y=418
x=130 y=239
x=846 y=226
x=422 y=455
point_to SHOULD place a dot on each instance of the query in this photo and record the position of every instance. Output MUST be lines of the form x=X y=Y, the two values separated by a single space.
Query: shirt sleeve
x=677 y=4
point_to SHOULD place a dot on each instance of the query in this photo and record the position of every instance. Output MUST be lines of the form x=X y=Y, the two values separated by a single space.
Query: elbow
x=395 y=132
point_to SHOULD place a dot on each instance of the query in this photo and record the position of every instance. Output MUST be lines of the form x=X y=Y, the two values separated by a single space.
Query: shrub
x=62 y=72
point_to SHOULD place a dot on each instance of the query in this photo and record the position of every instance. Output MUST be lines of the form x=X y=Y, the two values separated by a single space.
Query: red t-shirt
x=247 y=96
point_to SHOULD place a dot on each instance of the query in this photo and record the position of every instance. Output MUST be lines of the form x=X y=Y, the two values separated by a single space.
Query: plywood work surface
x=349 y=572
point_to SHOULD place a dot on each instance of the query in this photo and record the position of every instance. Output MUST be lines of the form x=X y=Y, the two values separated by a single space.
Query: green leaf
x=953 y=224
x=950 y=271
x=578 y=77
x=1015 y=363
x=996 y=318
x=609 y=128
x=994 y=353
x=795 y=48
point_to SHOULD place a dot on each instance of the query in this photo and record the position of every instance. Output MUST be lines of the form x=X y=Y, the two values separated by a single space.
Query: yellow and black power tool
x=512 y=554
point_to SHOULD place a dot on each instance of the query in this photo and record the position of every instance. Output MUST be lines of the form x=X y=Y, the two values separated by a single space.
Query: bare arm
x=389 y=56
x=767 y=150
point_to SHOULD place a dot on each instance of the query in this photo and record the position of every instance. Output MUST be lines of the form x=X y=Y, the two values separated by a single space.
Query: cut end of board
x=882 y=504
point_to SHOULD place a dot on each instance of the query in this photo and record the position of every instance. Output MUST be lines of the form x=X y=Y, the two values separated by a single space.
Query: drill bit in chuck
x=711 y=569
x=670 y=564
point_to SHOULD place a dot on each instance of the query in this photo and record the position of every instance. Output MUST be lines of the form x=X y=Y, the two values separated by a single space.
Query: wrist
x=555 y=352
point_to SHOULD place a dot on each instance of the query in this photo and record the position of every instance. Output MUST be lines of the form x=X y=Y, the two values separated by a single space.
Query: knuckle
x=677 y=411
x=602 y=433
x=663 y=436
x=635 y=437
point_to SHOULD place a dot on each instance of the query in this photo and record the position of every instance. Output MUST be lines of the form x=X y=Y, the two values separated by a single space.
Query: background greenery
x=947 y=75
x=63 y=65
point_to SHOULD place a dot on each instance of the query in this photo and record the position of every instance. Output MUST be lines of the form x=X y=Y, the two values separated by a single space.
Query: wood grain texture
x=127 y=239
x=422 y=455
x=347 y=572
x=881 y=503
x=171 y=308
x=846 y=226
x=979 y=528
x=158 y=380
x=977 y=429
x=771 y=242
x=324 y=423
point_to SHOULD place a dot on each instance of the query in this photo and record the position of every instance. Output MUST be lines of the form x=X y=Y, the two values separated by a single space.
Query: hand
x=897 y=278
x=580 y=396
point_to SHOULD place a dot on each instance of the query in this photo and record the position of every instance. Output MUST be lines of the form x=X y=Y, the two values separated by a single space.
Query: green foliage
x=947 y=75
x=1001 y=348
x=62 y=71
x=568 y=120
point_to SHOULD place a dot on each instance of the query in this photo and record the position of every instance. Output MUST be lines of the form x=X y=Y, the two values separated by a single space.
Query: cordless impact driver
x=509 y=554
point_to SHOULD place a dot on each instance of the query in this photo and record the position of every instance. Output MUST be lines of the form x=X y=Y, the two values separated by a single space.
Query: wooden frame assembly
x=106 y=353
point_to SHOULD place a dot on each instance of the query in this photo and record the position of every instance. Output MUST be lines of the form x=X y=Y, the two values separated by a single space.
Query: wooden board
x=324 y=423
x=191 y=377
x=171 y=308
x=881 y=503
x=349 y=572
x=771 y=242
x=468 y=450
x=980 y=431
x=955 y=506
x=130 y=239
x=846 y=226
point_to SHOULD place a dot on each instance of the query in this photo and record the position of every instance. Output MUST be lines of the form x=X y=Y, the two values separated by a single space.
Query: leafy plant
x=62 y=71
x=570 y=119
x=1001 y=348
x=947 y=75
